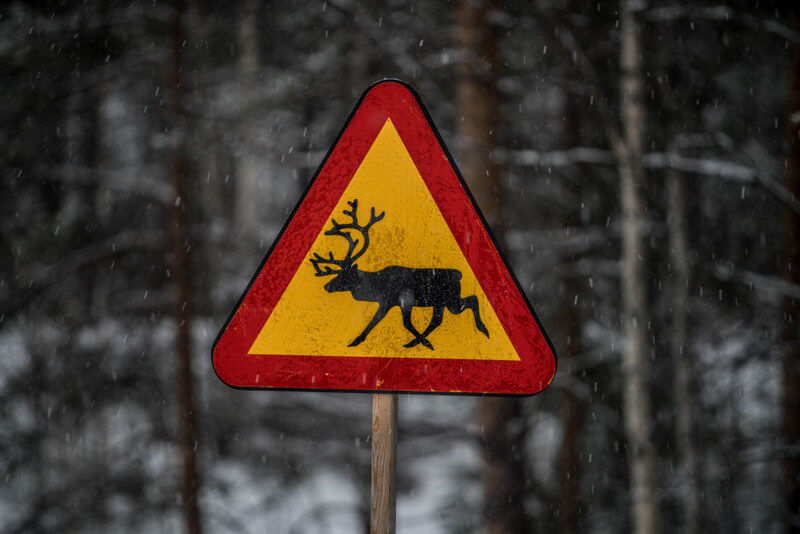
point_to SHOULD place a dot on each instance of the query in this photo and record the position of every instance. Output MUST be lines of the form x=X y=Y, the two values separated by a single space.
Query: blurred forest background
x=639 y=160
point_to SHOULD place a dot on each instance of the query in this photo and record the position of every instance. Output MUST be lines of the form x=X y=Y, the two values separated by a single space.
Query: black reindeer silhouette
x=393 y=286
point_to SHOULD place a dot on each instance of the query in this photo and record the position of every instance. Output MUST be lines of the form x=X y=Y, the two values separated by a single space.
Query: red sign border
x=386 y=99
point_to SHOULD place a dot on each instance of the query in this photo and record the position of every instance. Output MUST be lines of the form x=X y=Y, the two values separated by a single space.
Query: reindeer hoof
x=357 y=341
x=417 y=341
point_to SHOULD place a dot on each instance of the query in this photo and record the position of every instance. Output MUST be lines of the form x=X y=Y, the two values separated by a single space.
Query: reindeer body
x=426 y=287
x=404 y=287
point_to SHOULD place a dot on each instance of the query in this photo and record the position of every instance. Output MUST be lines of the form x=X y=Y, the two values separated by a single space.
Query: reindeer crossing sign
x=385 y=278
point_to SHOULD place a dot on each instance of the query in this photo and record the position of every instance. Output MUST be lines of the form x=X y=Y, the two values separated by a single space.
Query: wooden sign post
x=384 y=463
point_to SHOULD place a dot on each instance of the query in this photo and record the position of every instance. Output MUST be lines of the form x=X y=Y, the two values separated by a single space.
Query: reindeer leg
x=436 y=320
x=418 y=338
x=380 y=314
x=470 y=302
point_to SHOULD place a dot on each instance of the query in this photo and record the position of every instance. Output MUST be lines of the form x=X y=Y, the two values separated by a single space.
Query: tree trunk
x=246 y=170
x=636 y=399
x=569 y=471
x=789 y=336
x=682 y=392
x=179 y=263
x=569 y=318
x=502 y=426
x=478 y=107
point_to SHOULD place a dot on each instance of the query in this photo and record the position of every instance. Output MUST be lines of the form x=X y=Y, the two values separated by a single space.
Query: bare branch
x=766 y=284
x=654 y=160
x=52 y=275
x=598 y=98
x=723 y=14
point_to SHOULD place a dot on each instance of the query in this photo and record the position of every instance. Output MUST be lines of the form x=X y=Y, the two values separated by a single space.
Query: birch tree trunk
x=179 y=264
x=636 y=399
x=682 y=392
x=789 y=334
x=502 y=427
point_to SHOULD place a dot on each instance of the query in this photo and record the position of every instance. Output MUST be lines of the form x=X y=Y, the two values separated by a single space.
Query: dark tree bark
x=569 y=318
x=246 y=217
x=571 y=420
x=500 y=419
x=478 y=107
x=180 y=270
x=790 y=268
x=682 y=390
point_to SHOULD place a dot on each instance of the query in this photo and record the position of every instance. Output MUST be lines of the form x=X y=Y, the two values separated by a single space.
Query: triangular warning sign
x=385 y=277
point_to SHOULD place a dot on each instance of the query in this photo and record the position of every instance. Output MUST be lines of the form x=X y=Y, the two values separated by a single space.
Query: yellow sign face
x=411 y=235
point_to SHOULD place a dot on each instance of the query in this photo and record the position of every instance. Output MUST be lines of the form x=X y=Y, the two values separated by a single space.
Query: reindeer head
x=346 y=270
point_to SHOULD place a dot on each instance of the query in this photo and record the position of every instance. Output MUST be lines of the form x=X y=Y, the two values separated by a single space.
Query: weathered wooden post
x=382 y=516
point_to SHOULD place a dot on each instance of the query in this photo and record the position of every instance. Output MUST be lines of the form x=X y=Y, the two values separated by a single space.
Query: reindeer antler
x=343 y=230
x=317 y=259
